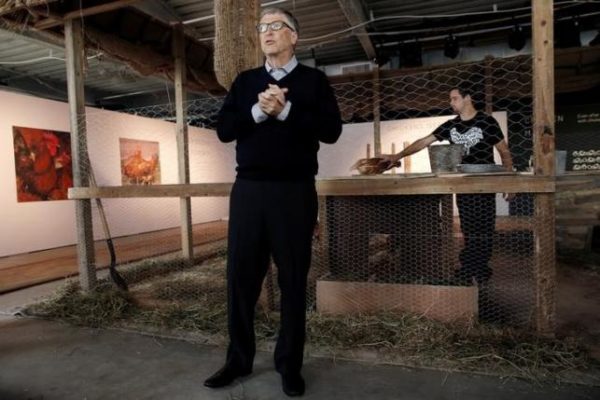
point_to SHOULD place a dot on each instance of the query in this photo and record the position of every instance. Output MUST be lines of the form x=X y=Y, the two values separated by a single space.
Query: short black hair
x=463 y=90
x=288 y=15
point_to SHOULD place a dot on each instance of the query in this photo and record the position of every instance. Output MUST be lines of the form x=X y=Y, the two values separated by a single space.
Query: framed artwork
x=140 y=163
x=42 y=164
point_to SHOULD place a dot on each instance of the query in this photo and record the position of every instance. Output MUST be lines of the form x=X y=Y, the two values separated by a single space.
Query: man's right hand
x=272 y=101
x=392 y=160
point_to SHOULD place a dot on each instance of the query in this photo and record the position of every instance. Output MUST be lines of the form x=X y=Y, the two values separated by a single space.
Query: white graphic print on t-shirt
x=468 y=139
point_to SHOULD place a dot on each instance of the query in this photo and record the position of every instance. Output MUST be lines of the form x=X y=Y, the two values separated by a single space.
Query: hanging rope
x=236 y=46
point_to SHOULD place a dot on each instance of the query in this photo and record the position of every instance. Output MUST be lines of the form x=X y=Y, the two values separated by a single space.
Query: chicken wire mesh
x=448 y=256
x=467 y=257
x=139 y=152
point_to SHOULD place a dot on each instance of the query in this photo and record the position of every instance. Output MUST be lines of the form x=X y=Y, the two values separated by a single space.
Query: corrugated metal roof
x=319 y=18
x=326 y=35
x=32 y=63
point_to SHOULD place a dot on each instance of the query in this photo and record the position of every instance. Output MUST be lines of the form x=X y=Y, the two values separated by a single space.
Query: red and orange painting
x=139 y=162
x=42 y=164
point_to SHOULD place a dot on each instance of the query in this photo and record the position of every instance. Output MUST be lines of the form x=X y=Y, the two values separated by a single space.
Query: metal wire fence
x=468 y=257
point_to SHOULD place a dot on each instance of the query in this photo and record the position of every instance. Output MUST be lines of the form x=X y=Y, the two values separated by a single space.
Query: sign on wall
x=42 y=164
x=140 y=163
x=578 y=132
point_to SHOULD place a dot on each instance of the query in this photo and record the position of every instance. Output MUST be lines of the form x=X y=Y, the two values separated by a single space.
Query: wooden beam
x=350 y=186
x=489 y=85
x=158 y=10
x=53 y=21
x=152 y=191
x=543 y=87
x=376 y=111
x=353 y=11
x=251 y=42
x=148 y=62
x=448 y=184
x=543 y=147
x=183 y=159
x=8 y=8
x=75 y=60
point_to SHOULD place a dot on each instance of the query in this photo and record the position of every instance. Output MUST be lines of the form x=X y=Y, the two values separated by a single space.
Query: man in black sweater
x=278 y=114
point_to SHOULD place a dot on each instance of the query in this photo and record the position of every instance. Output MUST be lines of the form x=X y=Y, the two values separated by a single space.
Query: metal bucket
x=445 y=157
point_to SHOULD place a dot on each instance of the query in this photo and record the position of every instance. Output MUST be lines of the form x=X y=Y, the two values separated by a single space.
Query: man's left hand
x=272 y=101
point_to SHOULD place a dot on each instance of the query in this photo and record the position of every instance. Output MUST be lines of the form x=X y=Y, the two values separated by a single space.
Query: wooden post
x=75 y=56
x=251 y=46
x=489 y=86
x=406 y=160
x=183 y=161
x=376 y=112
x=543 y=149
x=393 y=152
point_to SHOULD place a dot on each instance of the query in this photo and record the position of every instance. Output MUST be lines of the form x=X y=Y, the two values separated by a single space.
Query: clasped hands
x=272 y=101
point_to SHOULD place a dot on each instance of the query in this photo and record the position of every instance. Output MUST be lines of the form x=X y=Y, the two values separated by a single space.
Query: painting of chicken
x=42 y=164
x=139 y=162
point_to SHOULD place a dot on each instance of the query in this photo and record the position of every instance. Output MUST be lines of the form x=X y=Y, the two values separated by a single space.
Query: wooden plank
x=544 y=266
x=442 y=303
x=376 y=111
x=489 y=85
x=543 y=87
x=389 y=184
x=407 y=160
x=566 y=186
x=251 y=46
x=397 y=184
x=355 y=15
x=28 y=269
x=75 y=55
x=193 y=190
x=183 y=158
x=580 y=220
x=543 y=148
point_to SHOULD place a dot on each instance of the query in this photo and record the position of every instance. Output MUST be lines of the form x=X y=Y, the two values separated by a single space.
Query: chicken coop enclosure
x=384 y=243
x=394 y=242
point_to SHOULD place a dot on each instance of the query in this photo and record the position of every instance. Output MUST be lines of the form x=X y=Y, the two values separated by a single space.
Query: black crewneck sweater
x=273 y=149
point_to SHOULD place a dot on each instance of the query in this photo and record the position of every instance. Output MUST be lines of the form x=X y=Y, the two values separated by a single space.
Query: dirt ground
x=578 y=305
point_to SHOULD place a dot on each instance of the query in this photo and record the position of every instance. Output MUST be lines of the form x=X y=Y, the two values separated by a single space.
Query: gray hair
x=291 y=20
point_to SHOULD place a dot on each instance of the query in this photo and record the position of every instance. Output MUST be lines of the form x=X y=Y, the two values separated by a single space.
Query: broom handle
x=100 y=206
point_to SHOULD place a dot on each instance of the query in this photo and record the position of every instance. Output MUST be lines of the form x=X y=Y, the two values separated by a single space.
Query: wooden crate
x=442 y=303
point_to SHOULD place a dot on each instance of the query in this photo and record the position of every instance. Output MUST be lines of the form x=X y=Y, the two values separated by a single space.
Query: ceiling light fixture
x=451 y=47
x=567 y=34
x=516 y=38
x=410 y=54
x=595 y=41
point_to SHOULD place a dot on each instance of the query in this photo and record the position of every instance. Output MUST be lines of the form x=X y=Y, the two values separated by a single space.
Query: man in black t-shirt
x=478 y=133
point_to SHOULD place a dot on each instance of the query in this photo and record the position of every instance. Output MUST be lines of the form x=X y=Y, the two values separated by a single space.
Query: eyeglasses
x=274 y=26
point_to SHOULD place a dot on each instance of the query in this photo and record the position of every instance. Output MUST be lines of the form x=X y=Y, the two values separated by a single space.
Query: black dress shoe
x=224 y=377
x=292 y=384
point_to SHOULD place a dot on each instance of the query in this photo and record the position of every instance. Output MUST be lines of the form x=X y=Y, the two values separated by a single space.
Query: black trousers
x=269 y=218
x=477 y=214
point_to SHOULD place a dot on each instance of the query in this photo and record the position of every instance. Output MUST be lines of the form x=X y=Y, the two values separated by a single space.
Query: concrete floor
x=50 y=360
